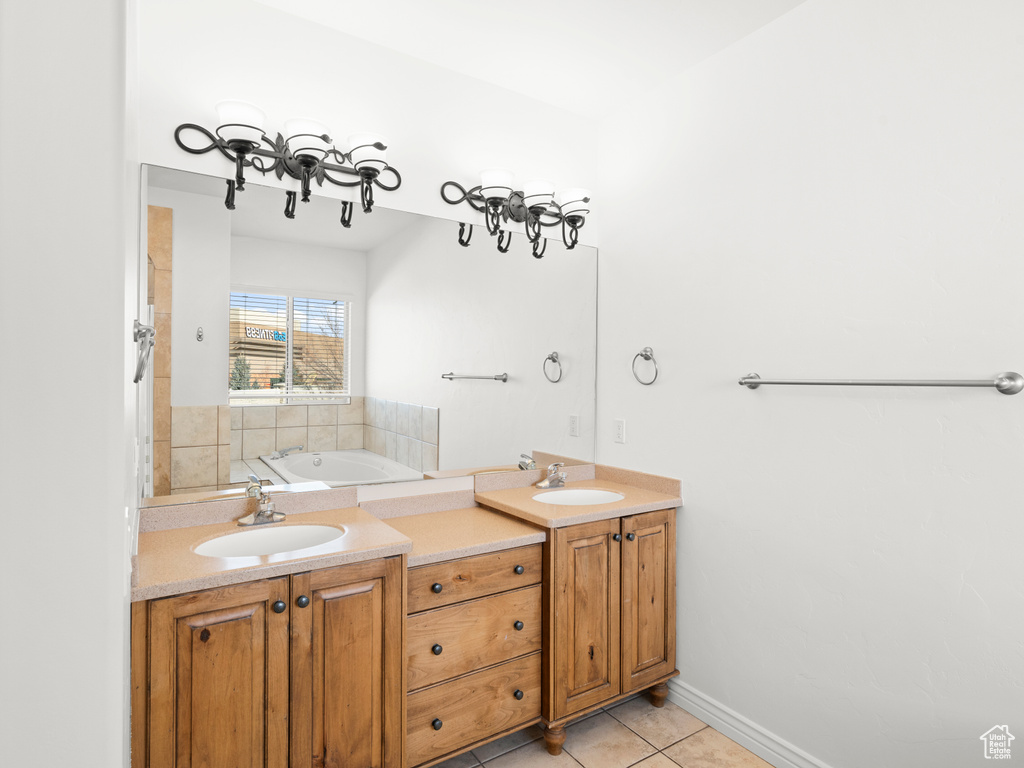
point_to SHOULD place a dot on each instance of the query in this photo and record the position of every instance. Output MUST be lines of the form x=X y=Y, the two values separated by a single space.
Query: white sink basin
x=270 y=540
x=578 y=496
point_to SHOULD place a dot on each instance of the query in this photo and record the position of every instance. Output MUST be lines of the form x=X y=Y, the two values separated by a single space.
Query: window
x=284 y=348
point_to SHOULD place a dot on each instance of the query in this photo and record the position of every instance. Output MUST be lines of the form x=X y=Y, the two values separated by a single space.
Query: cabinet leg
x=554 y=738
x=659 y=693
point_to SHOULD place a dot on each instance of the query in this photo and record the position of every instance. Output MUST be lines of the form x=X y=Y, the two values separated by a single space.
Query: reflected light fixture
x=305 y=152
x=534 y=206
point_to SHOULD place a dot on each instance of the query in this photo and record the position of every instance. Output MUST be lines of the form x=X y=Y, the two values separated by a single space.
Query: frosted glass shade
x=240 y=121
x=496 y=182
x=572 y=202
x=304 y=137
x=538 y=194
x=364 y=154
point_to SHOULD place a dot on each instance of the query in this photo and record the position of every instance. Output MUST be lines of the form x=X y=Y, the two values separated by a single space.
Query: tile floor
x=631 y=733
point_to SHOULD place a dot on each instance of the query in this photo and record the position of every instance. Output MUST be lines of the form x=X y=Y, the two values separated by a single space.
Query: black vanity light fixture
x=534 y=206
x=305 y=153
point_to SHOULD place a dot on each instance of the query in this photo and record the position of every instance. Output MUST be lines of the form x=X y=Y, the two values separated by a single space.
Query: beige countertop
x=519 y=503
x=167 y=565
x=454 y=533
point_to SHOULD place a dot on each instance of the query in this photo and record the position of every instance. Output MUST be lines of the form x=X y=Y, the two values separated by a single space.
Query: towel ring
x=553 y=357
x=647 y=354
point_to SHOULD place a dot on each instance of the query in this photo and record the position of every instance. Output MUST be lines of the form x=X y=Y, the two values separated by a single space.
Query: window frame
x=275 y=397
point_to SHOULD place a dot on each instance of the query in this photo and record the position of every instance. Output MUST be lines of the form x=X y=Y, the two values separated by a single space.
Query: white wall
x=313 y=270
x=837 y=196
x=201 y=281
x=68 y=214
x=441 y=126
x=437 y=307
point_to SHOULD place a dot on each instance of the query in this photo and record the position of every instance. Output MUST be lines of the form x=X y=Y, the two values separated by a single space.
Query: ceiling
x=582 y=55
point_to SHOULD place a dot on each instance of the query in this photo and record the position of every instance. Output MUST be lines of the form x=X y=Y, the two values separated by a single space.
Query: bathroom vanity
x=434 y=625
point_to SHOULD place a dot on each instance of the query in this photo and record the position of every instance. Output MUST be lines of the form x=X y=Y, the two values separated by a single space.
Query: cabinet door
x=584 y=621
x=648 y=598
x=219 y=678
x=348 y=680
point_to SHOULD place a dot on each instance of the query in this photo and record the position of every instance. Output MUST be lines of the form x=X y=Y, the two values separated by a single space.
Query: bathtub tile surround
x=403 y=432
x=198 y=452
x=160 y=257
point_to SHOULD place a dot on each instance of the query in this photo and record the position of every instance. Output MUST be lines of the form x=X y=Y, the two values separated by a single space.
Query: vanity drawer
x=431 y=586
x=463 y=711
x=452 y=641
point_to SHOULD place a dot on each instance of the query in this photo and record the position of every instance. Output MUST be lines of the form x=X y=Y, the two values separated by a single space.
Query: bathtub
x=338 y=468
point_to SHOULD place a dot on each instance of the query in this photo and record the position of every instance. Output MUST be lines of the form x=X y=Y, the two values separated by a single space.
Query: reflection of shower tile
x=369 y=411
x=223 y=424
x=391 y=421
x=236 y=445
x=259 y=417
x=223 y=464
x=323 y=438
x=236 y=416
x=402 y=425
x=193 y=425
x=162 y=409
x=402 y=449
x=415 y=423
x=429 y=458
x=258 y=442
x=415 y=455
x=291 y=436
x=430 y=427
x=351 y=436
x=193 y=467
x=352 y=413
x=161 y=467
x=291 y=416
x=391 y=445
x=323 y=415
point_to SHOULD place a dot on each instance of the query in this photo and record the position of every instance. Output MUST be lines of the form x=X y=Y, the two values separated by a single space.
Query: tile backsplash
x=403 y=432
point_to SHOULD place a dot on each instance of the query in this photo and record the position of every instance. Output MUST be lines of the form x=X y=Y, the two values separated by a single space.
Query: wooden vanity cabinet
x=473 y=645
x=291 y=672
x=611 y=615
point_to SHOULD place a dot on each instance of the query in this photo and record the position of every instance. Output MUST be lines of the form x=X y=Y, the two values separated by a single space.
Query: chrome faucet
x=555 y=479
x=285 y=451
x=526 y=462
x=265 y=513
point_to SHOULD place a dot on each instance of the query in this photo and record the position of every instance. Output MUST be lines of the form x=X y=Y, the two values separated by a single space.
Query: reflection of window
x=285 y=347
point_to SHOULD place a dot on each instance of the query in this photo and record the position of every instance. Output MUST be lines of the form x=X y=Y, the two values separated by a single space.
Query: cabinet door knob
x=518 y=694
x=617 y=536
x=279 y=606
x=519 y=570
x=519 y=626
x=436 y=589
x=630 y=536
x=436 y=649
x=302 y=601
x=437 y=724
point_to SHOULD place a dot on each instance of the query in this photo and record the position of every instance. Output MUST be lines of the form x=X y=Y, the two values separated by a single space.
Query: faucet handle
x=552 y=468
x=255 y=487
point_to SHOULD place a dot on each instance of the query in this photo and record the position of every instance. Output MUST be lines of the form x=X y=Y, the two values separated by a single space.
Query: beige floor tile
x=602 y=741
x=508 y=743
x=465 y=760
x=710 y=749
x=533 y=755
x=656 y=761
x=660 y=727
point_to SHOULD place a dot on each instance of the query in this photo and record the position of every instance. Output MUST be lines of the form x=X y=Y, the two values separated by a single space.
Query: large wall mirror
x=258 y=315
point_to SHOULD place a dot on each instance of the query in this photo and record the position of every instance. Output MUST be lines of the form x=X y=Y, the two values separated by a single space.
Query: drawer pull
x=436 y=588
x=279 y=606
x=437 y=724
x=519 y=626
x=630 y=536
x=617 y=537
x=302 y=601
x=436 y=649
x=519 y=570
x=518 y=695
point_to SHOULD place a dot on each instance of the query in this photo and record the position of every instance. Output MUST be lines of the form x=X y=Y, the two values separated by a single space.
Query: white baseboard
x=763 y=743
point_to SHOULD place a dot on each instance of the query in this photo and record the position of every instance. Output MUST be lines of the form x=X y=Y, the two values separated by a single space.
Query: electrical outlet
x=574 y=426
x=620 y=430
